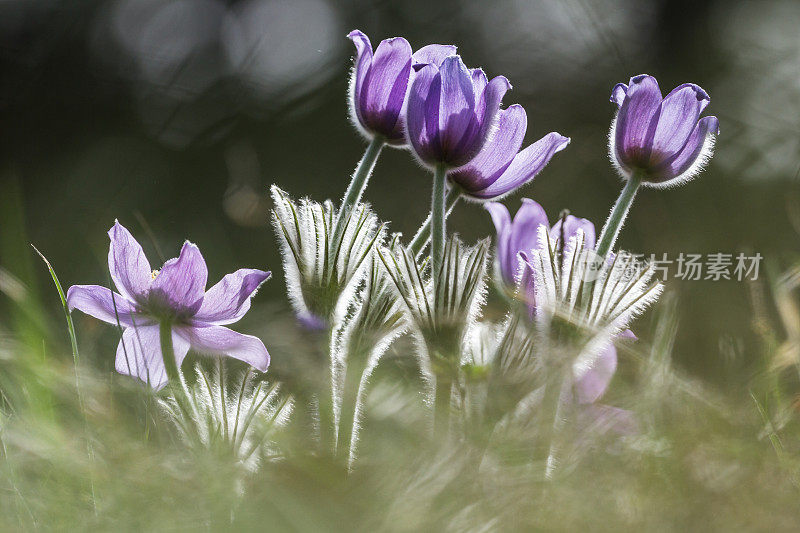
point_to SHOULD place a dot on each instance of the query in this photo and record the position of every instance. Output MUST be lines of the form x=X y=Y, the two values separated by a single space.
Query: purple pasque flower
x=379 y=83
x=451 y=112
x=567 y=227
x=514 y=236
x=500 y=168
x=660 y=139
x=521 y=235
x=175 y=295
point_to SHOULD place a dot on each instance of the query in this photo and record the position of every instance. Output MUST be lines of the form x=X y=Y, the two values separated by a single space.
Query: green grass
x=702 y=459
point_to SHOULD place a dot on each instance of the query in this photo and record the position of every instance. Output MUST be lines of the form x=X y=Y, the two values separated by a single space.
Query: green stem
x=617 y=217
x=323 y=394
x=73 y=339
x=437 y=222
x=168 y=353
x=559 y=409
x=357 y=184
x=174 y=376
x=441 y=406
x=423 y=235
x=347 y=435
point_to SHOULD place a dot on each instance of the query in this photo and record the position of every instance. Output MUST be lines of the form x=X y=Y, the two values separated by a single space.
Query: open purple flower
x=660 y=140
x=379 y=83
x=500 y=168
x=176 y=295
x=451 y=112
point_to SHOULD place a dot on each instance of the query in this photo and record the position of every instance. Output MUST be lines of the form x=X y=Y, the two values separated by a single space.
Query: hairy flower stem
x=560 y=393
x=441 y=406
x=437 y=224
x=347 y=435
x=174 y=375
x=357 y=184
x=324 y=399
x=423 y=235
x=617 y=217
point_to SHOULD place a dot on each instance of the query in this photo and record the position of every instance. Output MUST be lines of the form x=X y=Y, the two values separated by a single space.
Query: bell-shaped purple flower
x=451 y=112
x=514 y=236
x=568 y=226
x=592 y=385
x=500 y=168
x=175 y=295
x=660 y=139
x=380 y=80
x=521 y=235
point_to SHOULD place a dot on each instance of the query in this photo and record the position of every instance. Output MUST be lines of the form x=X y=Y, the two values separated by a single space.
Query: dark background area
x=179 y=114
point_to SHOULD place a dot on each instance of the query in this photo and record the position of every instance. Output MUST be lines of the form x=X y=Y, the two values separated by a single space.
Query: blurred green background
x=175 y=116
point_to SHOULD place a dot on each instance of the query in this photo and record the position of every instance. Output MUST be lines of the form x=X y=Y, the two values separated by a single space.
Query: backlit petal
x=127 y=263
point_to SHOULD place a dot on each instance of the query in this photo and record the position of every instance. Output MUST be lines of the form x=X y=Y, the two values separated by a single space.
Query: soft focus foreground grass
x=701 y=460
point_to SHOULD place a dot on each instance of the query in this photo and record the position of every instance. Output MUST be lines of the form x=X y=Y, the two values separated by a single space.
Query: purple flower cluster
x=516 y=239
x=174 y=295
x=451 y=118
x=447 y=114
x=380 y=82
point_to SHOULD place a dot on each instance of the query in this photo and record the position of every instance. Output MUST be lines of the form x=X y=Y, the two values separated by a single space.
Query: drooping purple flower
x=593 y=384
x=451 y=112
x=590 y=388
x=500 y=168
x=175 y=295
x=379 y=83
x=660 y=140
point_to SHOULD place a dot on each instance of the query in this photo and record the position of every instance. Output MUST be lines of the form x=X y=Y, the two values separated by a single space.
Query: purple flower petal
x=139 y=354
x=105 y=305
x=525 y=166
x=127 y=263
x=432 y=54
x=218 y=340
x=618 y=93
x=694 y=154
x=677 y=119
x=229 y=300
x=496 y=155
x=456 y=116
x=524 y=235
x=527 y=283
x=502 y=223
x=594 y=382
x=363 y=60
x=422 y=127
x=489 y=105
x=635 y=124
x=383 y=90
x=479 y=81
x=571 y=225
x=181 y=282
